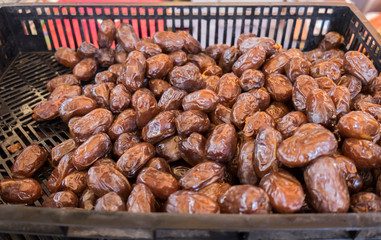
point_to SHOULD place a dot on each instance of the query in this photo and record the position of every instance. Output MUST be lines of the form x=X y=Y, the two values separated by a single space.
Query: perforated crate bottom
x=22 y=87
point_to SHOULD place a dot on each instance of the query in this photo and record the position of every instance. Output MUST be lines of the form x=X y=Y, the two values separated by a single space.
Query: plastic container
x=29 y=35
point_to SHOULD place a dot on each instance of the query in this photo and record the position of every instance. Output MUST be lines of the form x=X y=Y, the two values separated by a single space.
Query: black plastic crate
x=29 y=34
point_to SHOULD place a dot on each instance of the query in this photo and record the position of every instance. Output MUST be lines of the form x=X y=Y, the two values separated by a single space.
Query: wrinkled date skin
x=201 y=60
x=215 y=51
x=349 y=171
x=228 y=89
x=97 y=121
x=135 y=158
x=187 y=77
x=256 y=122
x=320 y=108
x=66 y=79
x=263 y=97
x=160 y=164
x=365 y=154
x=365 y=202
x=160 y=127
x=64 y=92
x=251 y=79
x=192 y=121
x=76 y=106
x=289 y=123
x=86 y=69
x=161 y=184
x=147 y=48
x=29 y=161
x=276 y=64
x=105 y=57
x=124 y=142
x=353 y=84
x=158 y=87
x=101 y=94
x=215 y=190
x=105 y=162
x=61 y=149
x=20 y=191
x=303 y=86
x=245 y=106
x=279 y=87
x=179 y=58
x=192 y=149
x=326 y=186
x=190 y=202
x=126 y=37
x=277 y=110
x=268 y=44
x=265 y=151
x=86 y=50
x=245 y=199
x=360 y=66
x=203 y=100
x=46 y=110
x=67 y=57
x=105 y=76
x=228 y=57
x=246 y=173
x=308 y=143
x=120 y=99
x=168 y=41
x=132 y=76
x=221 y=144
x=296 y=67
x=64 y=168
x=326 y=84
x=284 y=190
x=105 y=179
x=91 y=150
x=145 y=105
x=64 y=199
x=110 y=202
x=328 y=69
x=168 y=149
x=221 y=114
x=202 y=175
x=141 y=200
x=191 y=45
x=358 y=124
x=120 y=54
x=242 y=37
x=124 y=122
x=341 y=97
x=106 y=33
x=252 y=59
x=331 y=40
x=87 y=199
x=171 y=99
x=75 y=182
x=158 y=66
x=213 y=70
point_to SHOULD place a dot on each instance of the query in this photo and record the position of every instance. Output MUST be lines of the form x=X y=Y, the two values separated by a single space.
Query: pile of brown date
x=247 y=129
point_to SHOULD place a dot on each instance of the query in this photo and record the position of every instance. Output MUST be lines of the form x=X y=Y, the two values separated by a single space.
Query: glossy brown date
x=87 y=199
x=124 y=142
x=215 y=190
x=86 y=50
x=66 y=79
x=245 y=164
x=276 y=64
x=148 y=49
x=161 y=184
x=145 y=105
x=309 y=142
x=350 y=173
x=358 y=124
x=341 y=97
x=365 y=202
x=252 y=59
x=168 y=149
x=67 y=57
x=326 y=186
x=76 y=106
x=187 y=77
x=158 y=66
x=289 y=123
x=168 y=41
x=303 y=86
x=296 y=67
x=191 y=45
x=228 y=89
x=284 y=190
x=64 y=199
x=192 y=149
x=20 y=191
x=134 y=68
x=191 y=203
x=331 y=40
x=277 y=110
x=120 y=54
x=141 y=200
x=29 y=161
x=221 y=144
x=105 y=179
x=123 y=123
x=158 y=87
x=106 y=33
x=61 y=149
x=256 y=122
x=325 y=83
x=126 y=37
x=203 y=100
x=201 y=60
x=46 y=110
x=251 y=79
x=120 y=98
x=86 y=69
x=91 y=150
x=279 y=87
x=192 y=121
x=75 y=182
x=360 y=66
x=171 y=99
x=202 y=175
x=245 y=199
x=160 y=127
x=135 y=158
x=265 y=151
x=227 y=59
x=64 y=92
x=221 y=114
x=320 y=108
x=353 y=84
x=179 y=58
x=365 y=154
x=216 y=50
x=64 y=168
x=246 y=105
x=160 y=164
x=110 y=202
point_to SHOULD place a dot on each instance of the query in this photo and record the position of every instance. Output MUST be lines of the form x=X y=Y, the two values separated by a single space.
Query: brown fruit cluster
x=158 y=125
